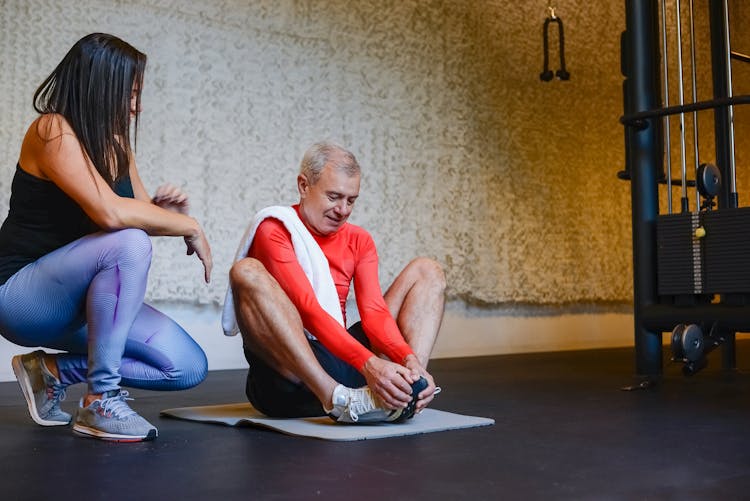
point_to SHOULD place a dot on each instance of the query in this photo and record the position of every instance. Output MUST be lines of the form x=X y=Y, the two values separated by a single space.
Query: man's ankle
x=336 y=401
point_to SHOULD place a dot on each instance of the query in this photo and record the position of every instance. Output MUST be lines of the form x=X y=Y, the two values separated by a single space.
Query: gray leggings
x=86 y=299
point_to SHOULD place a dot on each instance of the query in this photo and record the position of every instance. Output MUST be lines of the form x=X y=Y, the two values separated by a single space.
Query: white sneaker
x=360 y=405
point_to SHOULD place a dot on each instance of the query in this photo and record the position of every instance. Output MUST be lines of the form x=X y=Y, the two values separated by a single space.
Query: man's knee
x=248 y=276
x=430 y=271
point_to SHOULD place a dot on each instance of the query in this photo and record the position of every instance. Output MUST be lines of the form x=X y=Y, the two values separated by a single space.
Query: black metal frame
x=644 y=163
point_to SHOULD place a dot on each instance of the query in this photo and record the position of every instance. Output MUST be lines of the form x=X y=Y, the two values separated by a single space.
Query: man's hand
x=391 y=382
x=425 y=396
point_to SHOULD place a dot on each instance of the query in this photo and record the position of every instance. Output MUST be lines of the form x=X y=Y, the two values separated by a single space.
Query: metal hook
x=551 y=10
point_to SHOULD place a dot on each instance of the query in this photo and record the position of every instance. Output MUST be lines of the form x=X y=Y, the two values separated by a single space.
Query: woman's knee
x=130 y=246
x=194 y=372
x=185 y=371
x=133 y=243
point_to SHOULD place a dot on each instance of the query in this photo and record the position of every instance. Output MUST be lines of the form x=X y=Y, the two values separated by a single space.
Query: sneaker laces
x=55 y=388
x=361 y=401
x=56 y=393
x=116 y=406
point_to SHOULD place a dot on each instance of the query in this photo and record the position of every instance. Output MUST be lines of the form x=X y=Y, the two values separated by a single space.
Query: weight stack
x=717 y=263
x=727 y=251
x=678 y=255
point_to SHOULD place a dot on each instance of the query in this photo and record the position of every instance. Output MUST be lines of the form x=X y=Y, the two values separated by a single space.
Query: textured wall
x=467 y=156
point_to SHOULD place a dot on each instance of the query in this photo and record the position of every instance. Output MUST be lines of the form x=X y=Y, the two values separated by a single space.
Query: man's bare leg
x=272 y=328
x=416 y=300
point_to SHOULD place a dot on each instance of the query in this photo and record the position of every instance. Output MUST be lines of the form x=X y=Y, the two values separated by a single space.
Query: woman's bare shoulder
x=48 y=137
x=50 y=127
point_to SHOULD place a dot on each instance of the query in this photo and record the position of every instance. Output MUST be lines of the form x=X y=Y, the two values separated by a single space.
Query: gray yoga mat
x=428 y=421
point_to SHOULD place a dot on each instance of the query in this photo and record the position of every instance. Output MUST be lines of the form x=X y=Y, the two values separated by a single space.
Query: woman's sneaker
x=42 y=390
x=111 y=418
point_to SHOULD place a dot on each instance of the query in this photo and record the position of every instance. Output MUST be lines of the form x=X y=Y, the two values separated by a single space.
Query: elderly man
x=287 y=297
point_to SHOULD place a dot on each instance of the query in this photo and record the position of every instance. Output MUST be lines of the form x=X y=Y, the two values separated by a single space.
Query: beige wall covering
x=468 y=157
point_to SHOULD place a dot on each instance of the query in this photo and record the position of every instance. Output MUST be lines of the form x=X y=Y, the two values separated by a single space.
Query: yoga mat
x=428 y=421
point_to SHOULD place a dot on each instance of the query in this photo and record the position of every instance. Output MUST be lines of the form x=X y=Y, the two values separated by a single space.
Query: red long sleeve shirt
x=351 y=256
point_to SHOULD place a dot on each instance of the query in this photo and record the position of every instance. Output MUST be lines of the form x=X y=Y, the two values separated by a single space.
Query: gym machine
x=691 y=267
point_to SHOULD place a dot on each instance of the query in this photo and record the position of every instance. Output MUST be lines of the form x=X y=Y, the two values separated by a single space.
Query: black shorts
x=275 y=396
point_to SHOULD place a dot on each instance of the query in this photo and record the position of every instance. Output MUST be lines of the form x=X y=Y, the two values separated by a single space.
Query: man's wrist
x=408 y=358
x=367 y=365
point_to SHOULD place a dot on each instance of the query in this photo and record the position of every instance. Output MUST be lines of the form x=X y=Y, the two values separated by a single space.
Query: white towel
x=310 y=257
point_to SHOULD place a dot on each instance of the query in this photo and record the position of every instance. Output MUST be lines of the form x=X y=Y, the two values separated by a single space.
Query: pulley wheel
x=678 y=353
x=708 y=180
x=693 y=343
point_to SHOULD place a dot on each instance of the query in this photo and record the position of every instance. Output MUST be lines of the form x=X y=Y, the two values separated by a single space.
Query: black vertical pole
x=722 y=130
x=721 y=90
x=641 y=58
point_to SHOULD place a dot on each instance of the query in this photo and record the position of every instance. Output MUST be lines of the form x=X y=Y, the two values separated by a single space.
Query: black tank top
x=42 y=218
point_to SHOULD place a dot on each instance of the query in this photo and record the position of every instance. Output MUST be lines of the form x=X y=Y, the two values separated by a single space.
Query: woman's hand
x=198 y=245
x=171 y=198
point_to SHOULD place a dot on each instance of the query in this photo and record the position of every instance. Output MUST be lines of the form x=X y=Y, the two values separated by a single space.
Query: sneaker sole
x=23 y=380
x=88 y=432
x=392 y=417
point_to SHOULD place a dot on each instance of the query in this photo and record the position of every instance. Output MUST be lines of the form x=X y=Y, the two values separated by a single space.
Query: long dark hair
x=92 y=87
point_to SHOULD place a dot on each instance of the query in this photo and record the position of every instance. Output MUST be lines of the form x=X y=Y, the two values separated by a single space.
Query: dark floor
x=563 y=430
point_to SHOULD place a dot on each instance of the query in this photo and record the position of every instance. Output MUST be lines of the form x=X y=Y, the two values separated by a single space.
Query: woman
x=75 y=251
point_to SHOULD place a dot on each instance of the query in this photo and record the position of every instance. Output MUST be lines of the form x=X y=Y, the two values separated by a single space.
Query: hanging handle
x=546 y=75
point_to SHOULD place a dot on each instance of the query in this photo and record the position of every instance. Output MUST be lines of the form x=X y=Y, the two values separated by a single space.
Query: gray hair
x=325 y=153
